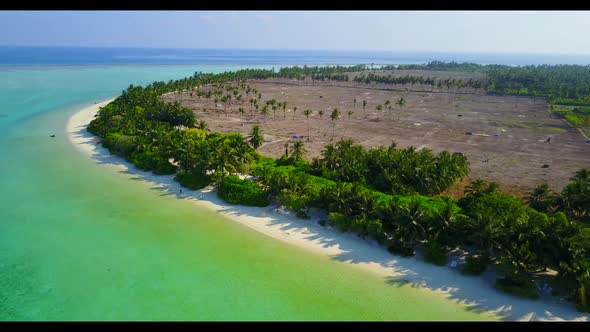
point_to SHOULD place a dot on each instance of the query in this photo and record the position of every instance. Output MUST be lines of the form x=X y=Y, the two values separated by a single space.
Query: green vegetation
x=391 y=170
x=234 y=190
x=475 y=265
x=533 y=127
x=371 y=78
x=388 y=194
x=569 y=84
x=576 y=115
x=193 y=181
x=525 y=288
x=435 y=253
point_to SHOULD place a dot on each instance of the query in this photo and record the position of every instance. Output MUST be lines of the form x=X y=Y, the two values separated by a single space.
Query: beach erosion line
x=473 y=293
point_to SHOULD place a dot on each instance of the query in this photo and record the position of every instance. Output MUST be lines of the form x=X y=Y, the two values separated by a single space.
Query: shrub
x=435 y=253
x=236 y=191
x=298 y=162
x=152 y=161
x=524 y=287
x=193 y=181
x=401 y=249
x=121 y=145
x=339 y=220
x=475 y=265
x=295 y=202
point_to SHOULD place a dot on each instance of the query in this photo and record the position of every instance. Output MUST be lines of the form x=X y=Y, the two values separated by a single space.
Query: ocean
x=14 y=56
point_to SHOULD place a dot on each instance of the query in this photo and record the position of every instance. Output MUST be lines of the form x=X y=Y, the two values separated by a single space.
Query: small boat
x=52 y=135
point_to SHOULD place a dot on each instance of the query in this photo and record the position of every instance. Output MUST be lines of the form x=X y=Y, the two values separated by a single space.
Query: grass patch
x=533 y=127
x=576 y=115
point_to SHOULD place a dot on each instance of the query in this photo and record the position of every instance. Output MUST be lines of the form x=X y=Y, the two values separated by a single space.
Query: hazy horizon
x=473 y=32
x=291 y=49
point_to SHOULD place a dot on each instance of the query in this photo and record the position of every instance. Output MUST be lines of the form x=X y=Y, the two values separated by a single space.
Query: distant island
x=480 y=167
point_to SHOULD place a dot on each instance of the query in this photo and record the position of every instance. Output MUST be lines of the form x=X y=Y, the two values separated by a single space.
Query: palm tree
x=364 y=104
x=575 y=197
x=265 y=111
x=441 y=221
x=379 y=107
x=298 y=150
x=256 y=138
x=294 y=110
x=478 y=188
x=349 y=114
x=542 y=198
x=284 y=110
x=241 y=110
x=321 y=113
x=401 y=102
x=334 y=116
x=307 y=114
x=201 y=124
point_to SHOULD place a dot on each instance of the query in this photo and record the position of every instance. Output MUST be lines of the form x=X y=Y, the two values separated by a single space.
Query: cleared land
x=508 y=140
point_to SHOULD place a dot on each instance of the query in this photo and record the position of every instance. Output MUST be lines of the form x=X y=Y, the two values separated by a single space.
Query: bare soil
x=504 y=137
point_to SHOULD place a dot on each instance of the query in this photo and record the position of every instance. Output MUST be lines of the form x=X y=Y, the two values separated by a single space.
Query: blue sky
x=560 y=32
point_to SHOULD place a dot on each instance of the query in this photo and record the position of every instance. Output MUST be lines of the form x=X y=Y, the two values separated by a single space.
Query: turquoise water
x=82 y=241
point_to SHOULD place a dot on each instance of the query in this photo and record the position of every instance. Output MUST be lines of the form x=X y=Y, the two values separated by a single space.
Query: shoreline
x=469 y=292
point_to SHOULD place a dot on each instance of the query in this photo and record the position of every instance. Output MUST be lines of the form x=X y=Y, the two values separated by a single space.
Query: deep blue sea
x=26 y=56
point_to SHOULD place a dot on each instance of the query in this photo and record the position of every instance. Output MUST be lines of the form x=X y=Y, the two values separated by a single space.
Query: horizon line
x=295 y=49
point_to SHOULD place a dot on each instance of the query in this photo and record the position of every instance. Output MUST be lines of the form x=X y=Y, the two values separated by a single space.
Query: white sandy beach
x=474 y=292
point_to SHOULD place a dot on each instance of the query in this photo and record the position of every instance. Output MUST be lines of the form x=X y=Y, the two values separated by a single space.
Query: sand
x=475 y=293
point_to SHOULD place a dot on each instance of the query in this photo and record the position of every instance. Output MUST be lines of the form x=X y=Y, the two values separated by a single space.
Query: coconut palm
x=478 y=188
x=256 y=138
x=201 y=124
x=334 y=116
x=350 y=113
x=241 y=110
x=307 y=114
x=321 y=113
x=542 y=198
x=575 y=197
x=401 y=102
x=265 y=111
x=298 y=150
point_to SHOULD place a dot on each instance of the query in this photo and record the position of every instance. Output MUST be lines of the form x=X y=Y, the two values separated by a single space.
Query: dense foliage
x=234 y=190
x=391 y=170
x=388 y=194
x=421 y=80
x=567 y=84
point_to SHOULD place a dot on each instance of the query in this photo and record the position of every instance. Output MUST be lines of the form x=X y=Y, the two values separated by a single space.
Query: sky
x=543 y=32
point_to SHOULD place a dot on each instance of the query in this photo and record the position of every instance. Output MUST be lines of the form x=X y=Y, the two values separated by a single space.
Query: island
x=479 y=168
